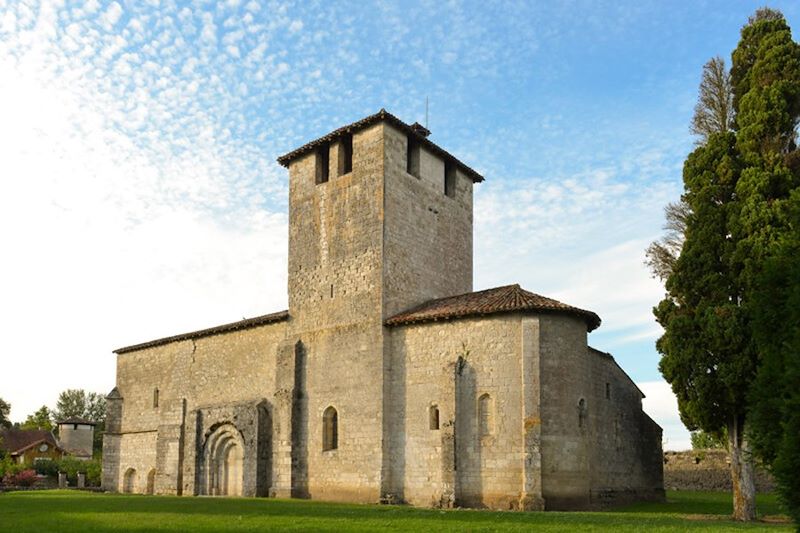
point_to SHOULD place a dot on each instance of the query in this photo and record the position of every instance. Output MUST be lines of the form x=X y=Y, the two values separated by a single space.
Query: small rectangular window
x=321 y=165
x=155 y=398
x=412 y=157
x=608 y=391
x=345 y=155
x=449 y=179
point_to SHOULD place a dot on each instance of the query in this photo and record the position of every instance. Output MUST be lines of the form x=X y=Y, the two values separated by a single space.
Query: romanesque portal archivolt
x=223 y=462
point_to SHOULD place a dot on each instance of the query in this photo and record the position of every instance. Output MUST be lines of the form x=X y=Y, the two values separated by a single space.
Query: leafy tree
x=706 y=351
x=731 y=284
x=82 y=404
x=41 y=419
x=766 y=227
x=5 y=409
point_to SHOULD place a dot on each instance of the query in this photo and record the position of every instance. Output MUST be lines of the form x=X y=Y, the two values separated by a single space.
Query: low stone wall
x=705 y=470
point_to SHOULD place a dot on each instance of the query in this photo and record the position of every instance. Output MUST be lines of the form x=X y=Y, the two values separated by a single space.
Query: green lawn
x=43 y=511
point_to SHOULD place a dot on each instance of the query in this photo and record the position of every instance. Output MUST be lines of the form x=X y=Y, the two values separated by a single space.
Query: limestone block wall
x=335 y=294
x=137 y=460
x=428 y=235
x=341 y=368
x=335 y=238
x=565 y=372
x=215 y=370
x=625 y=450
x=488 y=468
x=706 y=470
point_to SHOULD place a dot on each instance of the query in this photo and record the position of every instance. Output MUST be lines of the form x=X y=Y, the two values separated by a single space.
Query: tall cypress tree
x=766 y=226
x=733 y=279
x=707 y=355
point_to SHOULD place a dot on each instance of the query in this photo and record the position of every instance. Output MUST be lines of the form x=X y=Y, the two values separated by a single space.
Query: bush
x=9 y=469
x=23 y=478
x=26 y=478
x=94 y=472
x=93 y=469
x=47 y=467
x=71 y=466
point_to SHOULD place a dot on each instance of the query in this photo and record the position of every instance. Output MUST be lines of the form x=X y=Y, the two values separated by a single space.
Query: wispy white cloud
x=138 y=144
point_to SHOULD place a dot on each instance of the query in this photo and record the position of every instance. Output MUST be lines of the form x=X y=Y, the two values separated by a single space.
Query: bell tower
x=380 y=220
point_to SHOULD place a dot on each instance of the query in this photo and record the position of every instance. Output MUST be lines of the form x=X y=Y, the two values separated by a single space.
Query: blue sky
x=138 y=144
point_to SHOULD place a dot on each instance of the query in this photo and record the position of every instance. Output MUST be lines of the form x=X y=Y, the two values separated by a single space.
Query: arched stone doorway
x=129 y=481
x=151 y=481
x=223 y=462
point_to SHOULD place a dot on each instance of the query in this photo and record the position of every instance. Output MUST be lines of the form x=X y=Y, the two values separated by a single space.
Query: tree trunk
x=742 y=473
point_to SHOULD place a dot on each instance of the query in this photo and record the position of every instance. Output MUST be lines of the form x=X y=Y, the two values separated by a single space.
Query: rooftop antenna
x=426 y=112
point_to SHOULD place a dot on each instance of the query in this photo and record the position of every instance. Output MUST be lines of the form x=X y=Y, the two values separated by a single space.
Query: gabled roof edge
x=613 y=360
x=247 y=323
x=384 y=115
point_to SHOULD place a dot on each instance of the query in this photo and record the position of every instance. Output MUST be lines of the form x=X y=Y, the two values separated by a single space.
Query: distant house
x=25 y=446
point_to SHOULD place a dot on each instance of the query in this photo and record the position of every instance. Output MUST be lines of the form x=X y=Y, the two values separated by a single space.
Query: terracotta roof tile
x=216 y=330
x=368 y=121
x=507 y=299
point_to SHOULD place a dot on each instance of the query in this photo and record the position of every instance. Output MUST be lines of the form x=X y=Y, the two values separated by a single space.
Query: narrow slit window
x=485 y=415
x=608 y=391
x=449 y=179
x=346 y=155
x=155 y=397
x=433 y=417
x=330 y=429
x=412 y=157
x=321 y=168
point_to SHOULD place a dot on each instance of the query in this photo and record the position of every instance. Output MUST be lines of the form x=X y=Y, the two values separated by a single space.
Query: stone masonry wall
x=215 y=370
x=335 y=291
x=428 y=235
x=706 y=470
x=565 y=372
x=488 y=468
x=625 y=448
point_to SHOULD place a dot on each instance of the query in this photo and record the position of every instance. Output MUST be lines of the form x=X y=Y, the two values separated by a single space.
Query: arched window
x=433 y=417
x=485 y=415
x=330 y=429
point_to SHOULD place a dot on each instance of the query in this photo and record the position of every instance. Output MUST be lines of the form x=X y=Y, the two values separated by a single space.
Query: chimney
x=420 y=130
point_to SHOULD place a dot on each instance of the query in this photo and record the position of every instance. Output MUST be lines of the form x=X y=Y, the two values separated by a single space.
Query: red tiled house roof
x=507 y=299
x=16 y=441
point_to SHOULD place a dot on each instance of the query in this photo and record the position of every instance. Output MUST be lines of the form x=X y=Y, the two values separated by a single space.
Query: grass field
x=56 y=511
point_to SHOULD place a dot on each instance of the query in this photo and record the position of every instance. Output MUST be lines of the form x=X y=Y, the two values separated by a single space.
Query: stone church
x=388 y=379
